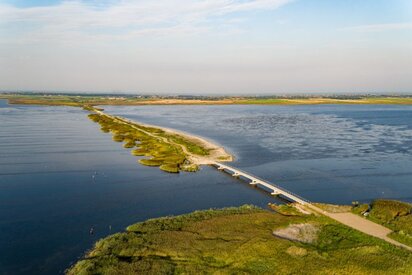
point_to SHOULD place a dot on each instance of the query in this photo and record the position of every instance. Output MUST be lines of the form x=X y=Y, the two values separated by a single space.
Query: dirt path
x=362 y=224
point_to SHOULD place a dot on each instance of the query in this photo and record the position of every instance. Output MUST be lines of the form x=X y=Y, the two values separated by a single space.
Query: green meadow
x=395 y=215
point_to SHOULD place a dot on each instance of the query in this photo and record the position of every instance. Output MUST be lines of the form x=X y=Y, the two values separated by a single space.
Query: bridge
x=274 y=189
x=347 y=218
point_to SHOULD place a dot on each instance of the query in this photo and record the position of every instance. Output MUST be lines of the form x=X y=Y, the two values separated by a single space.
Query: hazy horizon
x=177 y=94
x=211 y=47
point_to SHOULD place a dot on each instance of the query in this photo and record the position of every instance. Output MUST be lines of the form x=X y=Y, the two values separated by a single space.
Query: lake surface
x=327 y=153
x=60 y=175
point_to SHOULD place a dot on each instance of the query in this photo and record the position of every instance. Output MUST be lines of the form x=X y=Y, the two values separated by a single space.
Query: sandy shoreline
x=217 y=153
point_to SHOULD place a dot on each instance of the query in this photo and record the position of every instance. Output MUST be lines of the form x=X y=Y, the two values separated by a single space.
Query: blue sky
x=209 y=46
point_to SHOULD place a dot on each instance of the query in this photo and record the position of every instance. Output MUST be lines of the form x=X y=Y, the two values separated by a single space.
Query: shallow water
x=328 y=153
x=60 y=176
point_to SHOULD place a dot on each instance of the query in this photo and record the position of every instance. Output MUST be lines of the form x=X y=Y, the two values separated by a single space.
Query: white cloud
x=125 y=18
x=381 y=27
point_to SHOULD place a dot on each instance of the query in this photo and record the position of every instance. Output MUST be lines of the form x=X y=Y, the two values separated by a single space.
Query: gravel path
x=363 y=225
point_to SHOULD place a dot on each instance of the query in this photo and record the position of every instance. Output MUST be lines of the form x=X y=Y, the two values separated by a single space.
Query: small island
x=250 y=240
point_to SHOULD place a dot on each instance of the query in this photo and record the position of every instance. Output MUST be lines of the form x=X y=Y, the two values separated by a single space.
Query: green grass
x=286 y=209
x=333 y=208
x=139 y=152
x=170 y=167
x=190 y=167
x=159 y=148
x=191 y=146
x=240 y=241
x=129 y=143
x=395 y=215
x=150 y=162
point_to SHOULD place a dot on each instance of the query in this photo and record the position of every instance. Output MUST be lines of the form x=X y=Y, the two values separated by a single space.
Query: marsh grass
x=395 y=215
x=240 y=241
x=191 y=146
x=285 y=209
x=333 y=208
x=170 y=167
x=162 y=150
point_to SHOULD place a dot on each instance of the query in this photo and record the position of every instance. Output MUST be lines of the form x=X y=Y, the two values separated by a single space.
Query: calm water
x=327 y=153
x=60 y=176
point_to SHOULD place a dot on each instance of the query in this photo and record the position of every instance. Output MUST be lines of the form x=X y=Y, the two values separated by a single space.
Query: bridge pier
x=253 y=182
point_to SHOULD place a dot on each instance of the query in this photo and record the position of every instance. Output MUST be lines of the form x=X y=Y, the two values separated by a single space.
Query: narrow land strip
x=215 y=152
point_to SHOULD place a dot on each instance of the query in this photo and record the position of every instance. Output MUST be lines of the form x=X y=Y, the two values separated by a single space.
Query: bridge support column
x=275 y=193
x=236 y=175
x=253 y=182
x=220 y=168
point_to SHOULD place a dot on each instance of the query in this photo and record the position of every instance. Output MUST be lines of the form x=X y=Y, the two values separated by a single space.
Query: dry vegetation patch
x=296 y=251
x=304 y=232
x=332 y=208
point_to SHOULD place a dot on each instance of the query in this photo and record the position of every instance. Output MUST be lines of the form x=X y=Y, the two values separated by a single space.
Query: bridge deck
x=276 y=190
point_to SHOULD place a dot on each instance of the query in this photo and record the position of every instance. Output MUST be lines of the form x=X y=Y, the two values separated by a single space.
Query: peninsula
x=171 y=150
x=250 y=240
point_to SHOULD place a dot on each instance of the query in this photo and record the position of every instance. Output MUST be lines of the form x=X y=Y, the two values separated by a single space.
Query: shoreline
x=79 y=101
x=216 y=152
x=292 y=238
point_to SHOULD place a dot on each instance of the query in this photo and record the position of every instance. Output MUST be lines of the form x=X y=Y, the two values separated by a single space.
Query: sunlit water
x=60 y=175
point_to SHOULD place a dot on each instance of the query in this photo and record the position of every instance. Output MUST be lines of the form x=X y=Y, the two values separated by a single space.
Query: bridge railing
x=258 y=178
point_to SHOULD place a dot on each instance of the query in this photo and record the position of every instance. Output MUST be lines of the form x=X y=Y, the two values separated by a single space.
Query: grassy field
x=161 y=149
x=241 y=241
x=394 y=215
x=67 y=100
x=64 y=100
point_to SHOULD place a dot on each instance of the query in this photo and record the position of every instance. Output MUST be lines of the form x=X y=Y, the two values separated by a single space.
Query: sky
x=220 y=47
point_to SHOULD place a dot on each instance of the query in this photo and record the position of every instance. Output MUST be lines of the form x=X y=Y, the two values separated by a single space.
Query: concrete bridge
x=274 y=189
x=361 y=224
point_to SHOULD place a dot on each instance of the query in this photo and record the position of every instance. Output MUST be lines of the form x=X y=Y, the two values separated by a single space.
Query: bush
x=150 y=162
x=171 y=168
x=168 y=155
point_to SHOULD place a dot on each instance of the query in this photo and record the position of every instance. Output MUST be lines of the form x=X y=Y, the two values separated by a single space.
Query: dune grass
x=240 y=241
